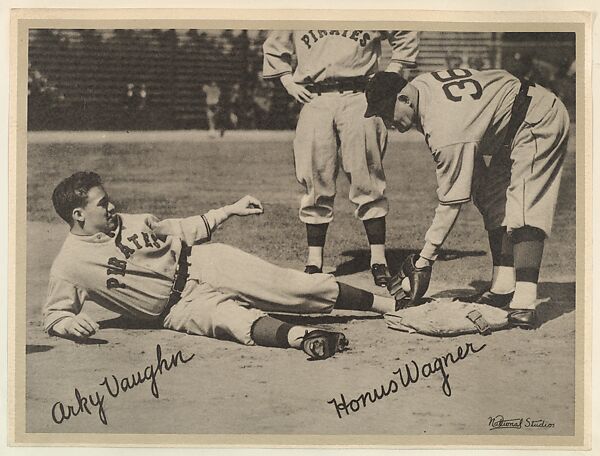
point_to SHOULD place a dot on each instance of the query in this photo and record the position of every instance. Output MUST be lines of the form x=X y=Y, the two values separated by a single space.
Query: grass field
x=241 y=390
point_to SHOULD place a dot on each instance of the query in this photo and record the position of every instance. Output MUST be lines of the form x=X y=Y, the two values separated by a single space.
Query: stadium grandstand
x=128 y=79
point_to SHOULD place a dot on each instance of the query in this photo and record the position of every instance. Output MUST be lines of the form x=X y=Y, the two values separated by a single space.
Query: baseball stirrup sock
x=375 y=229
x=501 y=247
x=528 y=247
x=316 y=233
x=503 y=271
x=270 y=332
x=528 y=250
x=350 y=298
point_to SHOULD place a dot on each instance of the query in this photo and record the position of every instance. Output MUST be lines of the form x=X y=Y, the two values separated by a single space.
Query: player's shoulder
x=126 y=217
x=134 y=221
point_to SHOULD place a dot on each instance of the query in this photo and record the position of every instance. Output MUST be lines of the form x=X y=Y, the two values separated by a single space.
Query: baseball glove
x=418 y=278
x=321 y=344
x=448 y=317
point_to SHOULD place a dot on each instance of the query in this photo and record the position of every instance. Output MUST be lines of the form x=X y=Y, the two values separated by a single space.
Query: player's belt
x=358 y=84
x=518 y=112
x=180 y=279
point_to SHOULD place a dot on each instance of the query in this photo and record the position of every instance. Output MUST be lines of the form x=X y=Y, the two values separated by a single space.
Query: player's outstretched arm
x=199 y=228
x=248 y=205
x=299 y=92
x=417 y=269
x=80 y=326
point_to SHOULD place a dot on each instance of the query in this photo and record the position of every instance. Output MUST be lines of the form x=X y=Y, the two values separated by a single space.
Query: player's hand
x=300 y=93
x=80 y=325
x=248 y=205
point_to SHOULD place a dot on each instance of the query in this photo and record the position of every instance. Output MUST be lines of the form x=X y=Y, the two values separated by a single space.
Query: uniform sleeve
x=191 y=230
x=443 y=221
x=454 y=171
x=405 y=48
x=64 y=300
x=278 y=49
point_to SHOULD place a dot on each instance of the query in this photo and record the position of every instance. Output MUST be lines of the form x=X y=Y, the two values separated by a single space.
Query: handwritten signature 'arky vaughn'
x=114 y=387
x=410 y=373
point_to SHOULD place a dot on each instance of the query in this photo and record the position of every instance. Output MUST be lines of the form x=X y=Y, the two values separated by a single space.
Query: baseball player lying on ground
x=464 y=115
x=145 y=268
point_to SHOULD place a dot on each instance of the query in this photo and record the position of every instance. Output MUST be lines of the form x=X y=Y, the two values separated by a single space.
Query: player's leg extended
x=316 y=161
x=207 y=312
x=538 y=156
x=272 y=288
x=489 y=195
x=315 y=342
x=204 y=311
x=363 y=142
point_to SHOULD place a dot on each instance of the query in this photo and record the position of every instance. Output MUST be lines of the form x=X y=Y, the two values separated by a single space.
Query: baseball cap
x=381 y=93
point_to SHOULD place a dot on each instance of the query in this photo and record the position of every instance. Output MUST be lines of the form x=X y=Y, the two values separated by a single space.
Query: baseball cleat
x=321 y=344
x=312 y=269
x=523 y=318
x=381 y=274
x=490 y=298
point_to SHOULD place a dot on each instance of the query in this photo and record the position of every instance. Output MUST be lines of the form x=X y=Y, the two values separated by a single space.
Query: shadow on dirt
x=123 y=322
x=37 y=348
x=561 y=294
x=359 y=259
x=323 y=319
x=86 y=341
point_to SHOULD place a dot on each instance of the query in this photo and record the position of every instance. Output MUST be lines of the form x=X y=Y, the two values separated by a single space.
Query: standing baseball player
x=148 y=269
x=464 y=115
x=213 y=96
x=329 y=80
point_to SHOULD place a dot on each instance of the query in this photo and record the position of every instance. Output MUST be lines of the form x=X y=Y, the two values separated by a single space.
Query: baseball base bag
x=448 y=317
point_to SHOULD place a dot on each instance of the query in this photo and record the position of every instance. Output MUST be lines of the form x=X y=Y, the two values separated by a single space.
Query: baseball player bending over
x=329 y=80
x=142 y=267
x=464 y=115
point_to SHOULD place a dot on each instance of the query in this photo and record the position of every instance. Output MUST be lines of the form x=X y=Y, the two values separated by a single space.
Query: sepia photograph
x=319 y=235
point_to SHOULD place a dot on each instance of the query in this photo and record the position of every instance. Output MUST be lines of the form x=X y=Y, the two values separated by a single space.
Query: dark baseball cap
x=382 y=90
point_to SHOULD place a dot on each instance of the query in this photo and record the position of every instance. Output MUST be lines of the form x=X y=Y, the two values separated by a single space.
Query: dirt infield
x=220 y=387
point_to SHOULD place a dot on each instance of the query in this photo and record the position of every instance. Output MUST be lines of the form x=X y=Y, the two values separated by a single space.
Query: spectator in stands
x=453 y=61
x=142 y=97
x=477 y=62
x=130 y=97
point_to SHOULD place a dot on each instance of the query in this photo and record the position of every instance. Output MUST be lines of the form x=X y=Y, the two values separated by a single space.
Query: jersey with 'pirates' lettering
x=129 y=271
x=331 y=131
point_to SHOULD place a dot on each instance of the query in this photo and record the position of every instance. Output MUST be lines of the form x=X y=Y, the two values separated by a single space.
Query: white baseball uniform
x=334 y=121
x=131 y=271
x=464 y=115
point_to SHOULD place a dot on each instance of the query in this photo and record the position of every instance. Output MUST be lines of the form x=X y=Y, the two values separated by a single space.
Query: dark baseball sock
x=375 y=229
x=528 y=248
x=501 y=247
x=350 y=298
x=270 y=332
x=316 y=233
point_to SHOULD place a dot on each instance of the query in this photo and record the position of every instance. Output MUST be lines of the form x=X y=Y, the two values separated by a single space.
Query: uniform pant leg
x=261 y=284
x=362 y=143
x=316 y=160
x=490 y=185
x=538 y=156
x=205 y=311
